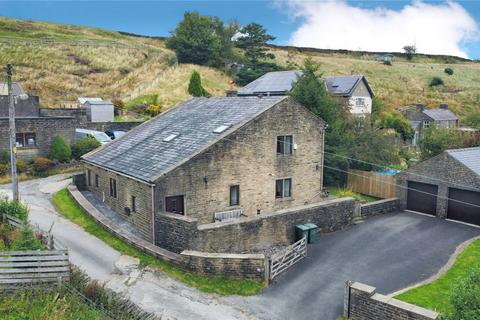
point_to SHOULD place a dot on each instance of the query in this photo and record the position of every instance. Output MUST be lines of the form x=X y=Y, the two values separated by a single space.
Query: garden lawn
x=67 y=207
x=436 y=295
x=341 y=193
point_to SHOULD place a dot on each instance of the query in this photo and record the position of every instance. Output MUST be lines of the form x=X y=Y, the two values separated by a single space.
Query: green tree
x=201 y=39
x=436 y=140
x=195 y=86
x=252 y=71
x=253 y=40
x=465 y=297
x=346 y=136
x=84 y=146
x=398 y=122
x=473 y=119
x=60 y=150
x=410 y=51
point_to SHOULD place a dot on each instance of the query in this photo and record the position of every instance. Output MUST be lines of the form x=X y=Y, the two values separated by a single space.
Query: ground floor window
x=25 y=140
x=283 y=188
x=234 y=195
x=175 y=204
x=113 y=188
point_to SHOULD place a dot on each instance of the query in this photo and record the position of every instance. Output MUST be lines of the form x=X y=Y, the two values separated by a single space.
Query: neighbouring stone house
x=34 y=132
x=421 y=118
x=211 y=158
x=353 y=90
x=447 y=186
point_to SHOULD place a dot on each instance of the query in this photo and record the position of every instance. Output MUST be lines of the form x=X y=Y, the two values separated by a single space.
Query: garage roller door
x=422 y=197
x=464 y=206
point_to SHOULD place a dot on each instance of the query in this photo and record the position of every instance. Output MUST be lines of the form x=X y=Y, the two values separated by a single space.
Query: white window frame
x=362 y=104
x=426 y=124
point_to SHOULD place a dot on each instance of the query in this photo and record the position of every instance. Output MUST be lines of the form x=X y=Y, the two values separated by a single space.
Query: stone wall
x=443 y=171
x=379 y=207
x=256 y=233
x=126 y=188
x=175 y=232
x=363 y=303
x=246 y=266
x=248 y=158
x=45 y=129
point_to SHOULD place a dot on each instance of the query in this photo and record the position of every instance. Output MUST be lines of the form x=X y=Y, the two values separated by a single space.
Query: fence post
x=50 y=241
x=346 y=300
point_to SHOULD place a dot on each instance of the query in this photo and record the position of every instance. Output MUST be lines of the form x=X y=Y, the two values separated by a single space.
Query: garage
x=464 y=205
x=422 y=197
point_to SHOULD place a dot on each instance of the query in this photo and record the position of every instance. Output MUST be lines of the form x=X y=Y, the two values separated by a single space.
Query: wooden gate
x=281 y=261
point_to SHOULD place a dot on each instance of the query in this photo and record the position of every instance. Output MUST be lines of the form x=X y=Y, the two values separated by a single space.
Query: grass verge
x=342 y=192
x=67 y=207
x=437 y=295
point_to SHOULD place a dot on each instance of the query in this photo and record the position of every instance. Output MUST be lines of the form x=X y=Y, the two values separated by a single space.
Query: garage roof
x=469 y=157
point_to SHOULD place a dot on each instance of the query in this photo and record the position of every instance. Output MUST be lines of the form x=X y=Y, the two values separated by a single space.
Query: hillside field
x=61 y=62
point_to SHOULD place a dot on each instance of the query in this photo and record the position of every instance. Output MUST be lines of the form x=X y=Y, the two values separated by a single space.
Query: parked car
x=115 y=134
x=98 y=135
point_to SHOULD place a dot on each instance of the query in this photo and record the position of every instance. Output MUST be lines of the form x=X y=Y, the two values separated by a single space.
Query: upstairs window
x=134 y=204
x=426 y=124
x=360 y=102
x=284 y=144
x=113 y=188
x=234 y=195
x=283 y=188
x=25 y=140
x=96 y=180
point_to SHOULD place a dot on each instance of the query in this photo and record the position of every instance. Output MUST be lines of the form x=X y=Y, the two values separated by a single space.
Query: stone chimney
x=444 y=106
x=420 y=107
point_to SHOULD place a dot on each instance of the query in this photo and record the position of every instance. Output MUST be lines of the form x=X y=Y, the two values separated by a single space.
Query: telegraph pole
x=13 y=146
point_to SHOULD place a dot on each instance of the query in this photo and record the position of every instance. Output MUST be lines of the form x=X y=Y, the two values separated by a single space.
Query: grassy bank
x=437 y=295
x=67 y=207
x=342 y=192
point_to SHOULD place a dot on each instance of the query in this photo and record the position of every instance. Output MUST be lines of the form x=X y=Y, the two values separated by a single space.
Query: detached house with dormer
x=353 y=90
x=210 y=158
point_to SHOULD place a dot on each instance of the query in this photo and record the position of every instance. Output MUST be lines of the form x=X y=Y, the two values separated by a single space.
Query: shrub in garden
x=22 y=166
x=60 y=150
x=449 y=71
x=13 y=208
x=4 y=156
x=465 y=298
x=27 y=241
x=436 y=81
x=153 y=110
x=42 y=164
x=195 y=86
x=4 y=169
x=84 y=146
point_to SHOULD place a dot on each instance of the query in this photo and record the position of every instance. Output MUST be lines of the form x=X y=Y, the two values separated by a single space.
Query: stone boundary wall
x=363 y=303
x=379 y=207
x=131 y=239
x=247 y=266
x=253 y=234
x=175 y=232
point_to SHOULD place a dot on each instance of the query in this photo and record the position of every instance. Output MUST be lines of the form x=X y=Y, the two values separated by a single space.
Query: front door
x=175 y=205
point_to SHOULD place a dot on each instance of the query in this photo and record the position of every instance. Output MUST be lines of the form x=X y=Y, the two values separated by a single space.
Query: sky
x=436 y=27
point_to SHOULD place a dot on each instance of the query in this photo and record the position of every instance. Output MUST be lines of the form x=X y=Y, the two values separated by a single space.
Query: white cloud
x=435 y=28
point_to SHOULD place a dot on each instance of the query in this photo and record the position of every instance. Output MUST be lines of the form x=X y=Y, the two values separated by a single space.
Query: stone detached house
x=35 y=132
x=447 y=186
x=421 y=118
x=354 y=90
x=211 y=159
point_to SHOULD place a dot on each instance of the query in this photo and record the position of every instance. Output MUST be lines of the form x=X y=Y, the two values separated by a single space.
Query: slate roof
x=440 y=114
x=101 y=102
x=142 y=153
x=16 y=89
x=345 y=85
x=469 y=157
x=271 y=83
x=82 y=100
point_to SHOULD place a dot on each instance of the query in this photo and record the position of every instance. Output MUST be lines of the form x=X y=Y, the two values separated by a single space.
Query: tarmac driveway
x=389 y=252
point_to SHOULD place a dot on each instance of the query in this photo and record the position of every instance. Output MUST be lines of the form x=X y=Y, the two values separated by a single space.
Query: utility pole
x=13 y=146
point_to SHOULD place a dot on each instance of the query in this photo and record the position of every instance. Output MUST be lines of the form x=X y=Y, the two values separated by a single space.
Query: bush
x=466 y=297
x=436 y=81
x=42 y=164
x=387 y=62
x=13 y=208
x=397 y=122
x=153 y=110
x=449 y=71
x=4 y=156
x=60 y=150
x=22 y=166
x=84 y=146
x=27 y=241
x=195 y=86
x=4 y=169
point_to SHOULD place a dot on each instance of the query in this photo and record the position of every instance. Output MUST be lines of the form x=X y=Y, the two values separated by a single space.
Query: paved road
x=389 y=252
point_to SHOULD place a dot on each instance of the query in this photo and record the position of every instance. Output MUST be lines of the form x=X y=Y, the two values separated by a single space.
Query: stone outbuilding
x=212 y=159
x=447 y=186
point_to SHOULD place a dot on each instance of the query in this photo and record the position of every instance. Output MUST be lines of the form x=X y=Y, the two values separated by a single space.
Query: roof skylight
x=221 y=128
x=171 y=137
